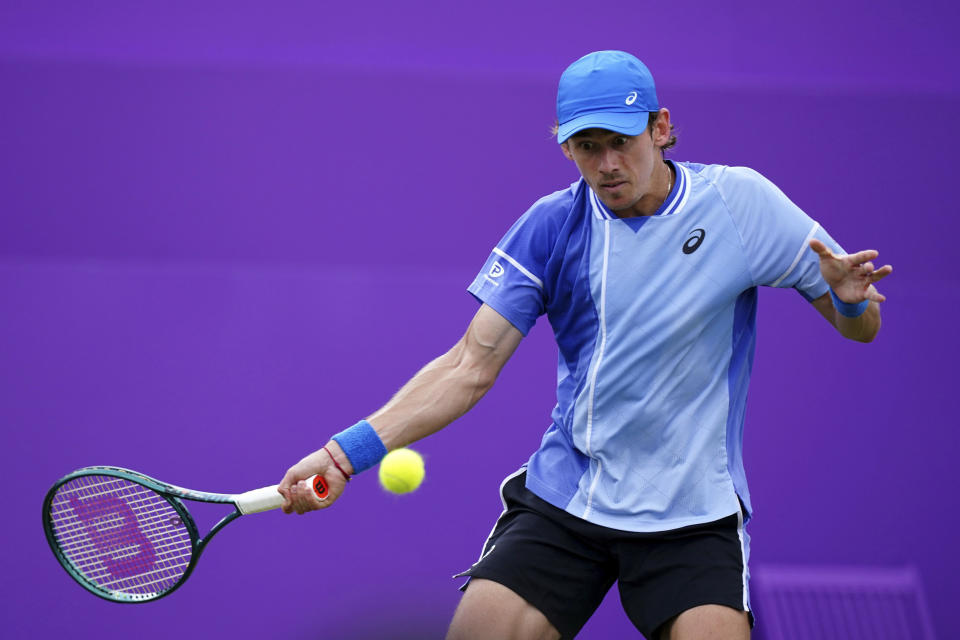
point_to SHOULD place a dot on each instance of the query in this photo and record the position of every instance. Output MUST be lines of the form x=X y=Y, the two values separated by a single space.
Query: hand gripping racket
x=129 y=538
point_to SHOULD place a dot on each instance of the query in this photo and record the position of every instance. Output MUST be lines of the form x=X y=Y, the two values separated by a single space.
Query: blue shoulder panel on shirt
x=513 y=280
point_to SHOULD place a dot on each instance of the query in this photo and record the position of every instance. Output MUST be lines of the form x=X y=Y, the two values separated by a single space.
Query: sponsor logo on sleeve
x=496 y=271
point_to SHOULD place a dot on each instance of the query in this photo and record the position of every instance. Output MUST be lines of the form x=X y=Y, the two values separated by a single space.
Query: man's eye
x=586 y=146
x=620 y=141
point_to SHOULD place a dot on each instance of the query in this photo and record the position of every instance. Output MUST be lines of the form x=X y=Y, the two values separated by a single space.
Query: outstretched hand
x=298 y=493
x=851 y=276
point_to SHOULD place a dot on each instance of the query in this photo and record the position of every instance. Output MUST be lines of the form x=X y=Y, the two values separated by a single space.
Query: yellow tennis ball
x=401 y=471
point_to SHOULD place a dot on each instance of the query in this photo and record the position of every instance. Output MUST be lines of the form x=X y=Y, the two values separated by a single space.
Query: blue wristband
x=847 y=309
x=362 y=446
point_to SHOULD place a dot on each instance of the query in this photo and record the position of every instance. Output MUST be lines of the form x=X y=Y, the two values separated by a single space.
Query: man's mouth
x=612 y=185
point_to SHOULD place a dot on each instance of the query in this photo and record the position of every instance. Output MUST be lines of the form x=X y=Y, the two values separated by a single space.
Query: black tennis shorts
x=564 y=565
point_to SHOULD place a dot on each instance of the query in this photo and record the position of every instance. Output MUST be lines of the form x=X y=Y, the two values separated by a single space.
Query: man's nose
x=609 y=161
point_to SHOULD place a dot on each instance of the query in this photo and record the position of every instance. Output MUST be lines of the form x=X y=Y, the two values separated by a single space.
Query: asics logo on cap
x=631 y=98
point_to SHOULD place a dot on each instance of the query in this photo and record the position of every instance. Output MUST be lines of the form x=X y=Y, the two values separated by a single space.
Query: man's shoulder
x=554 y=211
x=722 y=175
x=560 y=203
x=740 y=190
x=753 y=202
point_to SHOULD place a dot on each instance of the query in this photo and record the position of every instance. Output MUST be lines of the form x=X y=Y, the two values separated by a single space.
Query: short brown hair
x=651 y=120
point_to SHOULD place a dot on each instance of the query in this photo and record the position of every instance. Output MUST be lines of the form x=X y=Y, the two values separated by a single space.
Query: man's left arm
x=853 y=304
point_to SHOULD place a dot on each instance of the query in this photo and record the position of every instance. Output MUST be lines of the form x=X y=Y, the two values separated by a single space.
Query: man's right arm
x=438 y=394
x=451 y=385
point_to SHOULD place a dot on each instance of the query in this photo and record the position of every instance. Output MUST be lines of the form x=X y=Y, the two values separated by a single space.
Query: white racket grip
x=267 y=498
x=258 y=500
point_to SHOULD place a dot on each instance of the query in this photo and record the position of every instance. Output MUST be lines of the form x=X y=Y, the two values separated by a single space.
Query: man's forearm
x=447 y=387
x=437 y=395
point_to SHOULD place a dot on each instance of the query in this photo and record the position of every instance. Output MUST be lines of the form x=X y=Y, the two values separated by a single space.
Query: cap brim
x=629 y=124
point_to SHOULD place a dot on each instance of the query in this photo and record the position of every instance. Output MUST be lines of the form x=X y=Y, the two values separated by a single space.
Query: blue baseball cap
x=605 y=90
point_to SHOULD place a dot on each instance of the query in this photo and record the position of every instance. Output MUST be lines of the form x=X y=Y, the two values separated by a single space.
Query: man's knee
x=490 y=610
x=708 y=622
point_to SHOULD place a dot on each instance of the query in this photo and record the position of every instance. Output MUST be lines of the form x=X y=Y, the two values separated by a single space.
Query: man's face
x=619 y=168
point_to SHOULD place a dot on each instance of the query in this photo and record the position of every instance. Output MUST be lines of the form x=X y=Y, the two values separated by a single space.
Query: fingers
x=875 y=296
x=861 y=257
x=304 y=498
x=297 y=488
x=296 y=499
x=299 y=499
x=284 y=488
x=881 y=273
x=821 y=249
x=872 y=275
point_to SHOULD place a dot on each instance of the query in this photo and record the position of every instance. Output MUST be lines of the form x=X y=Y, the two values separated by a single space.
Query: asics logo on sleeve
x=694 y=241
x=631 y=98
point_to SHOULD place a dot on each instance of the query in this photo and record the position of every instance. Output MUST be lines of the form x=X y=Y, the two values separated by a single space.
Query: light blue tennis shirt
x=655 y=321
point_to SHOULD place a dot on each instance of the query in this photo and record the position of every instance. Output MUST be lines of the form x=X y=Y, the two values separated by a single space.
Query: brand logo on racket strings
x=113 y=529
x=631 y=98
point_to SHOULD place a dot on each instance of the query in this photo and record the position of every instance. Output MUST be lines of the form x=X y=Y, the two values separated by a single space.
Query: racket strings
x=120 y=536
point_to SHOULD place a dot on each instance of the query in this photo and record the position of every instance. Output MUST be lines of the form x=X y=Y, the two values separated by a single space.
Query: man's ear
x=661 y=128
x=565 y=147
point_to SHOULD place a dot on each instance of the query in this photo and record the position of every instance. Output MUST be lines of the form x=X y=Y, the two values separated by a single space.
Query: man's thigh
x=668 y=575
x=490 y=610
x=547 y=558
x=708 y=622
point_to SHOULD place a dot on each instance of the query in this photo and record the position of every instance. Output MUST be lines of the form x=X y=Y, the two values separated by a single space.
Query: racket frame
x=172 y=494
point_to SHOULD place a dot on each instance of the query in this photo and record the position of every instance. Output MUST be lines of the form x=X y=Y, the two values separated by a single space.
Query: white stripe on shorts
x=743 y=555
x=483 y=549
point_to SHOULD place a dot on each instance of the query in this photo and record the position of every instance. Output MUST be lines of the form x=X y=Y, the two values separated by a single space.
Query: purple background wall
x=226 y=232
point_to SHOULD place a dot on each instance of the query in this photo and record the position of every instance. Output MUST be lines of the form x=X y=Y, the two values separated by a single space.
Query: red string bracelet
x=337 y=465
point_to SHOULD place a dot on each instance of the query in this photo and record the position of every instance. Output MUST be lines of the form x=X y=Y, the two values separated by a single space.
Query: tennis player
x=647 y=270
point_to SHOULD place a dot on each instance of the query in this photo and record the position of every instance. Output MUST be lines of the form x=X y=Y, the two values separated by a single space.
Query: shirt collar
x=671 y=205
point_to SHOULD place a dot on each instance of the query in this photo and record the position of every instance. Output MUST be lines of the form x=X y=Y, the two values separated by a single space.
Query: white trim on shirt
x=500 y=252
x=796 y=260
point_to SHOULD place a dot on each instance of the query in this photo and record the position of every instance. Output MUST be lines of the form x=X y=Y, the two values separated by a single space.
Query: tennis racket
x=129 y=538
